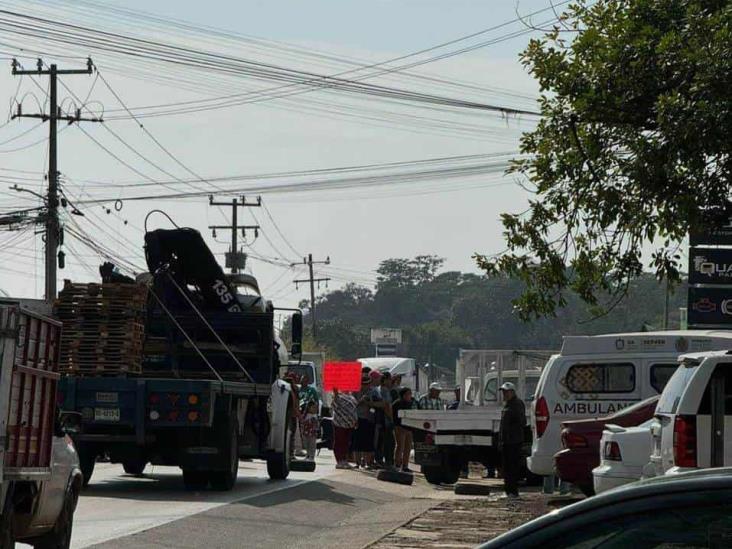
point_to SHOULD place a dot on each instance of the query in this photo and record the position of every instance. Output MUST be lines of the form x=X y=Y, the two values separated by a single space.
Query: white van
x=693 y=423
x=595 y=376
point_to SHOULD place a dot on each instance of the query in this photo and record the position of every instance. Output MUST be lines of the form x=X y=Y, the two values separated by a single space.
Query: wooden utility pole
x=236 y=260
x=52 y=201
x=312 y=280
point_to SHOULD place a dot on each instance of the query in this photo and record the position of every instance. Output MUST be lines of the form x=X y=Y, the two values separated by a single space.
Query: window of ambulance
x=601 y=377
x=661 y=373
x=669 y=401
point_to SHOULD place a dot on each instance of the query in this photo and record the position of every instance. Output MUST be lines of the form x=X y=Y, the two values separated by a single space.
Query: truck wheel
x=195 y=481
x=224 y=481
x=433 y=473
x=450 y=474
x=87 y=459
x=278 y=464
x=134 y=466
x=60 y=536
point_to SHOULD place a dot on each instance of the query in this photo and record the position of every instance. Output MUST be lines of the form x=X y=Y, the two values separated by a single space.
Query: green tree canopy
x=632 y=146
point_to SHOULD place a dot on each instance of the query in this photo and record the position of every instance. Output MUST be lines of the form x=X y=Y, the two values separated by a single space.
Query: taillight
x=154 y=398
x=612 y=451
x=573 y=440
x=685 y=441
x=541 y=415
x=429 y=438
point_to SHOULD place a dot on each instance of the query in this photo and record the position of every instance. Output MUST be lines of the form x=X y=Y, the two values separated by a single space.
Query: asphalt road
x=327 y=508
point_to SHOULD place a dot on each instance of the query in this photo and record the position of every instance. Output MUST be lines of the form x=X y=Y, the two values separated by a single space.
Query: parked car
x=686 y=510
x=693 y=422
x=625 y=451
x=594 y=376
x=581 y=442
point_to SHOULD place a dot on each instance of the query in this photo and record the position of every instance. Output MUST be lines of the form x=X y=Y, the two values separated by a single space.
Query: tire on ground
x=134 y=466
x=472 y=489
x=278 y=463
x=225 y=480
x=399 y=477
x=87 y=459
x=433 y=473
x=302 y=465
x=195 y=480
x=60 y=536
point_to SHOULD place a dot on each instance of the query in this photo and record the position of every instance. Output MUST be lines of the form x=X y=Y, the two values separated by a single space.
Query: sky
x=356 y=229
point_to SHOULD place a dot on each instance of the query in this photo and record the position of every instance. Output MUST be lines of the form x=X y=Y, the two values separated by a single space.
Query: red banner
x=344 y=376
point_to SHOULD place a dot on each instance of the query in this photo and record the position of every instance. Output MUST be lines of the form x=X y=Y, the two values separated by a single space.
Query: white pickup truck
x=40 y=477
x=446 y=440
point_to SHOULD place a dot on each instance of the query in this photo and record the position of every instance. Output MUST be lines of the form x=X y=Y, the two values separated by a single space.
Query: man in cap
x=511 y=438
x=432 y=400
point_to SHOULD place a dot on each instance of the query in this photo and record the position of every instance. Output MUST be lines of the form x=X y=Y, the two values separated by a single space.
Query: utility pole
x=312 y=280
x=235 y=259
x=54 y=115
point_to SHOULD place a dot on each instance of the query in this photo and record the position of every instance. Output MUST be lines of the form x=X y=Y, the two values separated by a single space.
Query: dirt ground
x=467 y=521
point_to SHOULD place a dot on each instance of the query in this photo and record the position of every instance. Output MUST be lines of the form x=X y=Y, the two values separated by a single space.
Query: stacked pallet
x=103 y=327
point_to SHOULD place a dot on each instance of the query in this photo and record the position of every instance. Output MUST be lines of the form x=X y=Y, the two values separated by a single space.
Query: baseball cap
x=435 y=386
x=508 y=386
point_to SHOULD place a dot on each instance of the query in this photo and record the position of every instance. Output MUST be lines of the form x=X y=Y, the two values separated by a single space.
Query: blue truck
x=201 y=391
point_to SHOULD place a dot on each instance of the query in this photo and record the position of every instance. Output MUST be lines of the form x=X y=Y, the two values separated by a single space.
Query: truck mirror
x=69 y=423
x=296 y=349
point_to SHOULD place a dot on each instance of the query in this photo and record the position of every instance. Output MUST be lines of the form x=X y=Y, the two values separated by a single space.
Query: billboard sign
x=710 y=265
x=710 y=306
x=386 y=336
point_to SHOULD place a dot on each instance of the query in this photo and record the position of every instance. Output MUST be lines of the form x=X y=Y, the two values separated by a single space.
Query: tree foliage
x=450 y=310
x=633 y=146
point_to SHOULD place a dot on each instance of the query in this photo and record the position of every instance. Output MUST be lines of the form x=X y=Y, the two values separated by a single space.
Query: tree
x=401 y=272
x=632 y=148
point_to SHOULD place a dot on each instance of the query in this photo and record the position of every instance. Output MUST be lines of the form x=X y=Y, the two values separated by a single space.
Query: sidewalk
x=466 y=521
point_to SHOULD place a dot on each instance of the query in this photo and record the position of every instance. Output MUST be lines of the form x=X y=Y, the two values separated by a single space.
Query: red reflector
x=573 y=440
x=612 y=451
x=426 y=425
x=685 y=441
x=429 y=439
x=192 y=416
x=173 y=397
x=541 y=416
x=173 y=415
x=154 y=398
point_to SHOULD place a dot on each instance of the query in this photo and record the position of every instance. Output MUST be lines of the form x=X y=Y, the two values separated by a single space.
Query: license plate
x=106 y=414
x=108 y=397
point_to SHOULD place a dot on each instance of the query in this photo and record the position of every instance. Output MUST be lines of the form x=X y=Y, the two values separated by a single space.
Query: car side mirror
x=68 y=423
x=296 y=350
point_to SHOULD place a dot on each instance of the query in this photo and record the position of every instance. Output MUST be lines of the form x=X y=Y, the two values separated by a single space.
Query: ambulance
x=594 y=376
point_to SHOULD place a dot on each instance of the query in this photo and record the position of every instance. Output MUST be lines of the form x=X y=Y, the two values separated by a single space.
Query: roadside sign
x=344 y=376
x=718 y=231
x=386 y=350
x=710 y=265
x=710 y=307
x=386 y=336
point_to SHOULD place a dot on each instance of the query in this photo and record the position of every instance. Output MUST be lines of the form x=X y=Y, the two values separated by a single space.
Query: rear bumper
x=575 y=466
x=541 y=464
x=604 y=480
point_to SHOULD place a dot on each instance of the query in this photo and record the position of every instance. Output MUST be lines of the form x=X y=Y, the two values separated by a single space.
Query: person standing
x=432 y=400
x=403 y=435
x=455 y=404
x=387 y=435
x=295 y=413
x=345 y=421
x=511 y=438
x=309 y=427
x=363 y=440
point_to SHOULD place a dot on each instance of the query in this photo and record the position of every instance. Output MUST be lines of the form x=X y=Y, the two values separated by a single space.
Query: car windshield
x=669 y=400
x=302 y=369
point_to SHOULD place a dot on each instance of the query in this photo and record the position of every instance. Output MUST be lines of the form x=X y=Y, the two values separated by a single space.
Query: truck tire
x=195 y=481
x=87 y=459
x=60 y=536
x=450 y=474
x=433 y=473
x=223 y=481
x=134 y=466
x=278 y=464
x=399 y=477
